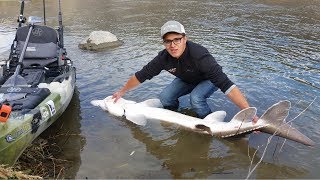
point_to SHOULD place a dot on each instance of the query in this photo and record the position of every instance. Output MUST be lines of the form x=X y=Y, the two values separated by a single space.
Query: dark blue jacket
x=195 y=65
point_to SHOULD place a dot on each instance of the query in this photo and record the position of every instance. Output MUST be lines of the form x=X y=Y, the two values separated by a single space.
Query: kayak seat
x=42 y=49
x=39 y=62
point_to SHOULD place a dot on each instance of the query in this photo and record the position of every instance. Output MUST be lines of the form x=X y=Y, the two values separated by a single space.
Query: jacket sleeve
x=150 y=70
x=213 y=71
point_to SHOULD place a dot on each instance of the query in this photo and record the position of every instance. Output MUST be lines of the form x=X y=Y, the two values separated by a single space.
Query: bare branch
x=269 y=140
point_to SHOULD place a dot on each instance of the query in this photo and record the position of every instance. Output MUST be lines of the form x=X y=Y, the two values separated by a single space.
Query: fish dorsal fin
x=151 y=103
x=217 y=116
x=245 y=115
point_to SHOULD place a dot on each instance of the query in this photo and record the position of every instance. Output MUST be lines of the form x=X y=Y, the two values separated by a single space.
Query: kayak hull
x=22 y=128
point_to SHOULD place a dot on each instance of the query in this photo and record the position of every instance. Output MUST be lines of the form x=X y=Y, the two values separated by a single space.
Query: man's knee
x=168 y=102
x=195 y=99
x=163 y=98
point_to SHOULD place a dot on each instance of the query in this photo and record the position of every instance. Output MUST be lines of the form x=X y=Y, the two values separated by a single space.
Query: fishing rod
x=16 y=79
x=21 y=18
x=61 y=43
x=44 y=12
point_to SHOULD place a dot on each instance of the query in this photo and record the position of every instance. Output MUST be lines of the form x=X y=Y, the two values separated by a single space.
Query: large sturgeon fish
x=271 y=122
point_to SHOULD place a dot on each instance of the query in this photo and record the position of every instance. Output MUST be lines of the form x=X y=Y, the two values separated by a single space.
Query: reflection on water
x=269 y=48
x=66 y=134
x=189 y=155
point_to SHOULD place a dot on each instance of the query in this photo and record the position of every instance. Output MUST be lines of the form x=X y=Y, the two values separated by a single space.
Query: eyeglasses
x=175 y=41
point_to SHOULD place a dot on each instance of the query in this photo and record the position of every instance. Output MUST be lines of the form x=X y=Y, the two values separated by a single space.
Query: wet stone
x=99 y=40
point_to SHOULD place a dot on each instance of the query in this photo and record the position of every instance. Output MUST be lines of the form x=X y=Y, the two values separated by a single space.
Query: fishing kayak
x=37 y=83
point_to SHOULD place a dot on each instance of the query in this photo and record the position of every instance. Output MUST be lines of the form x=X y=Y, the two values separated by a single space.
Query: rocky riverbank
x=37 y=162
x=9 y=173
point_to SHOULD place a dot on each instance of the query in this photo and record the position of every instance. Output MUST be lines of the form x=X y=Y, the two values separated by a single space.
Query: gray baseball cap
x=172 y=26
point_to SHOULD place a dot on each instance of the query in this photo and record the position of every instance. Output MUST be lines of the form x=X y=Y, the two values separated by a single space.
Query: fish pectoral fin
x=204 y=128
x=138 y=119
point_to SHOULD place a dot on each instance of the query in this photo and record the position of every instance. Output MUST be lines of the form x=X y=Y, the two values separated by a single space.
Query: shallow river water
x=269 y=48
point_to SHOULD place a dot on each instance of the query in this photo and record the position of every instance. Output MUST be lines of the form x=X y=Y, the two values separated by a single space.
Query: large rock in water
x=98 y=40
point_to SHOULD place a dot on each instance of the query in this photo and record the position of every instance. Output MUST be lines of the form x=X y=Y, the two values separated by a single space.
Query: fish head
x=114 y=108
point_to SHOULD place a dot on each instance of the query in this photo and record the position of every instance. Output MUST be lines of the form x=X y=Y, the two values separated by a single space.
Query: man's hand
x=255 y=119
x=117 y=95
x=131 y=83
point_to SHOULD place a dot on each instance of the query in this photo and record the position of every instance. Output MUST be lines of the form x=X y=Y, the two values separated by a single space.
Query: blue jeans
x=198 y=95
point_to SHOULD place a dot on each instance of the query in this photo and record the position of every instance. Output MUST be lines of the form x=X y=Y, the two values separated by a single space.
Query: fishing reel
x=21 y=19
